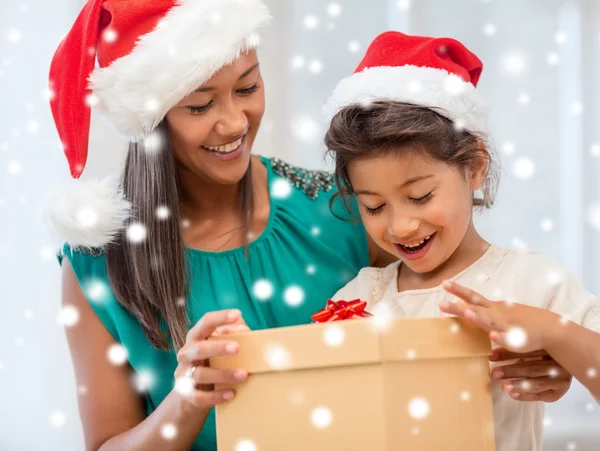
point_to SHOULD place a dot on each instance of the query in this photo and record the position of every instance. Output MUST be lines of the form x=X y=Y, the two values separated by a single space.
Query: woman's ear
x=479 y=166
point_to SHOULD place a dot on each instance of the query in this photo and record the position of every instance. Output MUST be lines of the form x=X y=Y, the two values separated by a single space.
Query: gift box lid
x=354 y=342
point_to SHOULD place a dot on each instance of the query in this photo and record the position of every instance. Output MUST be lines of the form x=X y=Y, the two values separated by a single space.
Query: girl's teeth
x=417 y=244
x=227 y=147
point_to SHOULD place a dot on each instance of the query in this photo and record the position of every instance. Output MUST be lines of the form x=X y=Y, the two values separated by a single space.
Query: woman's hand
x=523 y=332
x=194 y=379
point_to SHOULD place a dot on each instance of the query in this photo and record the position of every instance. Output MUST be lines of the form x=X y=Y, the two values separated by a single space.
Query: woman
x=200 y=226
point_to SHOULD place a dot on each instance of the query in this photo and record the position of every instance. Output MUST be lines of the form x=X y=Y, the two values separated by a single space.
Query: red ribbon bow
x=341 y=310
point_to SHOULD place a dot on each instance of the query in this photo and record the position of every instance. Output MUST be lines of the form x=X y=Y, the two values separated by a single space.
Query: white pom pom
x=89 y=214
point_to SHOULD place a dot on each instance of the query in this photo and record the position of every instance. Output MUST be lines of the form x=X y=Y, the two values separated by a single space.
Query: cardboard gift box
x=406 y=384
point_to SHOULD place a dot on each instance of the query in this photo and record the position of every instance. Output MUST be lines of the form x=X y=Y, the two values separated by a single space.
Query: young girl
x=409 y=139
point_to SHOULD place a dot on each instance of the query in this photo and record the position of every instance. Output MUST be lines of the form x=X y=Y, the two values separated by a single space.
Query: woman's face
x=212 y=130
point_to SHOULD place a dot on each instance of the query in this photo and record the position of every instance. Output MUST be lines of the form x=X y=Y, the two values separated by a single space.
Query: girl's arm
x=521 y=329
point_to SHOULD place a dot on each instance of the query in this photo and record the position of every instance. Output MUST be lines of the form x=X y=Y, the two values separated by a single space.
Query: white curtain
x=541 y=64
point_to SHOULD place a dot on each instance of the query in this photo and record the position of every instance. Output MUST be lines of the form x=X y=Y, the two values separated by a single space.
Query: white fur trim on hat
x=89 y=214
x=448 y=94
x=190 y=44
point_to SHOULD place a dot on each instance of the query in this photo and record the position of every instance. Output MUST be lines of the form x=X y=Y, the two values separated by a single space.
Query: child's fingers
x=455 y=308
x=536 y=385
x=500 y=354
x=547 y=396
x=466 y=294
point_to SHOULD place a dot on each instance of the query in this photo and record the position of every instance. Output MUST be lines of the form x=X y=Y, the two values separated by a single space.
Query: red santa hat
x=440 y=73
x=150 y=55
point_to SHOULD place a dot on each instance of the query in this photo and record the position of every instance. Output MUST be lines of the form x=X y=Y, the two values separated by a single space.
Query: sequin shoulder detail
x=310 y=181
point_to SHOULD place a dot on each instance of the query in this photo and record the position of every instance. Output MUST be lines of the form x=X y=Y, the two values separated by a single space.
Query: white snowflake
x=334 y=9
x=153 y=143
x=321 y=417
x=592 y=373
x=560 y=37
x=315 y=231
x=6 y=62
x=403 y=5
x=508 y=147
x=246 y=445
x=136 y=233
x=524 y=99
x=465 y=396
x=143 y=381
x=315 y=67
x=58 y=419
x=331 y=26
x=489 y=29
x=334 y=336
x=353 y=46
x=298 y=62
x=14 y=35
x=576 y=108
x=595 y=150
x=547 y=422
x=453 y=85
x=418 y=408
x=415 y=431
x=109 y=35
x=185 y=385
x=262 y=289
x=564 y=321
x=185 y=223
x=526 y=385
x=92 y=100
x=455 y=328
x=519 y=244
x=68 y=316
x=553 y=372
x=516 y=337
x=382 y=316
x=28 y=313
x=593 y=216
x=411 y=354
x=311 y=269
x=277 y=357
x=162 y=212
x=571 y=446
x=293 y=296
x=514 y=63
x=19 y=342
x=117 y=354
x=96 y=290
x=24 y=8
x=82 y=390
x=47 y=252
x=14 y=168
x=552 y=58
x=152 y=105
x=547 y=225
x=215 y=18
x=168 y=431
x=311 y=22
x=305 y=129
x=253 y=40
x=48 y=94
x=524 y=168
x=590 y=407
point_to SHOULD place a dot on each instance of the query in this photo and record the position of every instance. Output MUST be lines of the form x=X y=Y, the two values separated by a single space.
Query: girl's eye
x=248 y=91
x=374 y=211
x=199 y=109
x=422 y=200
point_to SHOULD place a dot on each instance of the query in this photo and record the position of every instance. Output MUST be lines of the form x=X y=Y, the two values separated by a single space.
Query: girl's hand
x=522 y=331
x=194 y=380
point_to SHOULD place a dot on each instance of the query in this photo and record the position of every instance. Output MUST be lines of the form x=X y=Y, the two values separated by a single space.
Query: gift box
x=361 y=384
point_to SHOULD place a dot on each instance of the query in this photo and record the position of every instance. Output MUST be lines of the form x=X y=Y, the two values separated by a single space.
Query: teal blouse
x=303 y=257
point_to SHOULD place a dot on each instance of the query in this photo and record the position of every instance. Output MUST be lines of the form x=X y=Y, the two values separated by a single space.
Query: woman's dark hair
x=150 y=278
x=362 y=131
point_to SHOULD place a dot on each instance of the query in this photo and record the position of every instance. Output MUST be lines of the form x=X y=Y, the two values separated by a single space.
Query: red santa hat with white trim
x=150 y=54
x=440 y=73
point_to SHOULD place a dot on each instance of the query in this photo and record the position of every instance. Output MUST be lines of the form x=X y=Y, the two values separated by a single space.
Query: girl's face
x=415 y=207
x=212 y=130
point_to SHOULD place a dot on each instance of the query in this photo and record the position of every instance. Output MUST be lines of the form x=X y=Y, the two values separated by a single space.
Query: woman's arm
x=112 y=412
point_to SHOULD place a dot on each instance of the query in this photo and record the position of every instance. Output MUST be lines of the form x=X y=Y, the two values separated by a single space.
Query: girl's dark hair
x=358 y=132
x=150 y=278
